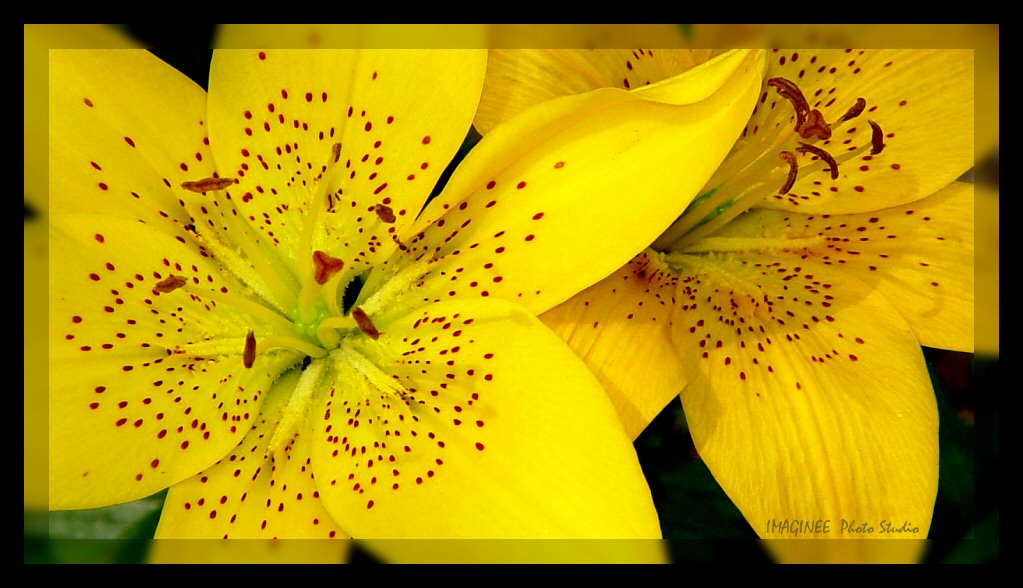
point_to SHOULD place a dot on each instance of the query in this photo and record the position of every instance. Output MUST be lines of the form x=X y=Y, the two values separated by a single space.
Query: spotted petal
x=253 y=493
x=919 y=256
x=108 y=155
x=621 y=328
x=808 y=397
x=146 y=332
x=508 y=222
x=379 y=126
x=489 y=428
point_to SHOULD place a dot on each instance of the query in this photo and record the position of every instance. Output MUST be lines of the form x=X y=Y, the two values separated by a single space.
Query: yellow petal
x=923 y=102
x=520 y=78
x=253 y=493
x=562 y=195
x=144 y=334
x=919 y=256
x=808 y=398
x=490 y=428
x=39 y=39
x=620 y=327
x=35 y=408
x=109 y=153
x=381 y=126
x=987 y=272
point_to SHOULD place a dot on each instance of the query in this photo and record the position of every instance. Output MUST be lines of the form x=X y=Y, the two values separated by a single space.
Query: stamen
x=790 y=158
x=170 y=284
x=325 y=266
x=249 y=357
x=824 y=155
x=814 y=127
x=385 y=213
x=365 y=323
x=792 y=93
x=854 y=111
x=208 y=184
x=876 y=138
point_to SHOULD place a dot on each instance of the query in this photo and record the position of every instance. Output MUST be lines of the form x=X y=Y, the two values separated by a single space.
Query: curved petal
x=808 y=398
x=923 y=102
x=520 y=78
x=508 y=222
x=620 y=327
x=39 y=39
x=919 y=256
x=108 y=153
x=378 y=126
x=253 y=493
x=489 y=428
x=146 y=379
x=350 y=36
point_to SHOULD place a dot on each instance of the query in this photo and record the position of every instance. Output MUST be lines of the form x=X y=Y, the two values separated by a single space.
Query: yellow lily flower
x=789 y=303
x=201 y=340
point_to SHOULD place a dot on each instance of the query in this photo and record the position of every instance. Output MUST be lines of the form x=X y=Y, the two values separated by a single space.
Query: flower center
x=767 y=162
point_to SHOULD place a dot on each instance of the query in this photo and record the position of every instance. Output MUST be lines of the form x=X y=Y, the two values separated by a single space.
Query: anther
x=365 y=324
x=790 y=158
x=325 y=266
x=791 y=92
x=170 y=284
x=876 y=138
x=814 y=127
x=854 y=111
x=249 y=356
x=385 y=213
x=824 y=155
x=208 y=184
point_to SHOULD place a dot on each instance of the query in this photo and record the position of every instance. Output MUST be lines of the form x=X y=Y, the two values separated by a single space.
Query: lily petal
x=490 y=428
x=806 y=388
x=620 y=327
x=919 y=256
x=520 y=78
x=109 y=156
x=565 y=164
x=253 y=493
x=39 y=39
x=281 y=119
x=145 y=331
x=923 y=102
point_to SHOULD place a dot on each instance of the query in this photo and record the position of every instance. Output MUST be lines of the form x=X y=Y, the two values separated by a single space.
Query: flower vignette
x=210 y=343
x=790 y=301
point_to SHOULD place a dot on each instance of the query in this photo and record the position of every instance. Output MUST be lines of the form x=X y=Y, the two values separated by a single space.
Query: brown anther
x=791 y=92
x=789 y=158
x=824 y=155
x=814 y=127
x=336 y=152
x=385 y=213
x=170 y=284
x=325 y=266
x=854 y=111
x=365 y=324
x=876 y=138
x=208 y=184
x=249 y=357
